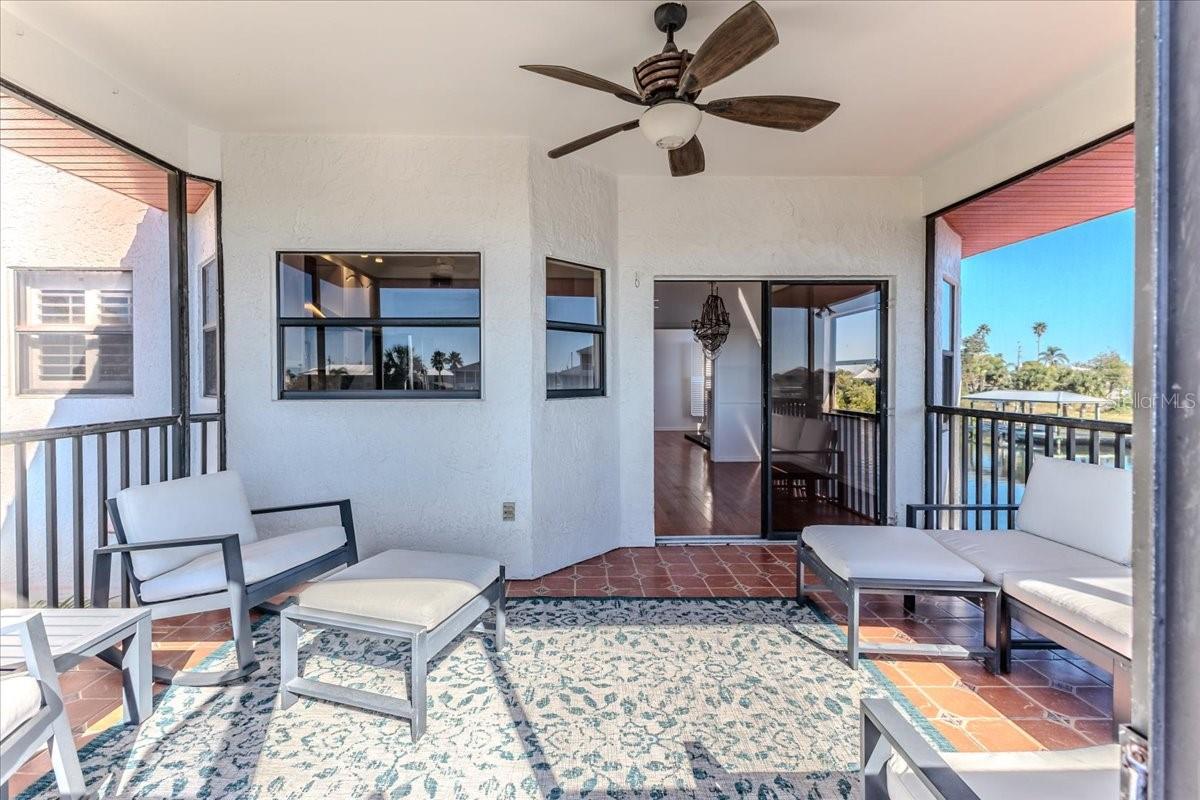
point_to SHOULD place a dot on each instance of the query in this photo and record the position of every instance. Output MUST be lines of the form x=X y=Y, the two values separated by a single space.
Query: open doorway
x=707 y=414
x=803 y=370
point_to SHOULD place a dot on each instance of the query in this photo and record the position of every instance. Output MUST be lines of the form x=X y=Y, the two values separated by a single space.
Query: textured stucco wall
x=755 y=227
x=421 y=473
x=576 y=463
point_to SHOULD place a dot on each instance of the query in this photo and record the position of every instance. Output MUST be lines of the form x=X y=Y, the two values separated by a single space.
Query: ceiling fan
x=669 y=82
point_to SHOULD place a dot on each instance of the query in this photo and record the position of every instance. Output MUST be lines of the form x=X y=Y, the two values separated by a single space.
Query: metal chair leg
x=852 y=629
x=418 y=670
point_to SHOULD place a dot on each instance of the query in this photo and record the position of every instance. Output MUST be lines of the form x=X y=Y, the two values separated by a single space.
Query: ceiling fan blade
x=583 y=79
x=774 y=111
x=687 y=160
x=591 y=138
x=746 y=35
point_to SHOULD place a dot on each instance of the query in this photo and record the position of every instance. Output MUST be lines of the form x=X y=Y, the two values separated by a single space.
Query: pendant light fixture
x=712 y=329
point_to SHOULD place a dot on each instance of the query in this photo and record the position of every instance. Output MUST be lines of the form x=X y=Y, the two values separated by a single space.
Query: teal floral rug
x=612 y=698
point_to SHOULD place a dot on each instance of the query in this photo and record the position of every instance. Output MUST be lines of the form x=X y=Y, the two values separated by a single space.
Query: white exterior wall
x=576 y=461
x=422 y=473
x=762 y=228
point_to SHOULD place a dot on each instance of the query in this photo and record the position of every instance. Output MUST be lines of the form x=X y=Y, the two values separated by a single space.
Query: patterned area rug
x=613 y=698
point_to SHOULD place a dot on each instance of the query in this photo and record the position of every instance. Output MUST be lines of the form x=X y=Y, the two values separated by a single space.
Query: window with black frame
x=574 y=330
x=379 y=324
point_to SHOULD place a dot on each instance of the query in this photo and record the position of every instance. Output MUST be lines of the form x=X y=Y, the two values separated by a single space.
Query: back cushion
x=785 y=431
x=1085 y=506
x=206 y=505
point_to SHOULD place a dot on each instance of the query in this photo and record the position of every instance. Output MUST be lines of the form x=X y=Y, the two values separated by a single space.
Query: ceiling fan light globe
x=670 y=124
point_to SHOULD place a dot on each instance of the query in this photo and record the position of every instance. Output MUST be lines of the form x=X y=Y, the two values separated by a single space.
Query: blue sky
x=1078 y=280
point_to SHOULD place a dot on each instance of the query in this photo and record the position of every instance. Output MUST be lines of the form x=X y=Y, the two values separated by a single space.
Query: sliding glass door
x=824 y=398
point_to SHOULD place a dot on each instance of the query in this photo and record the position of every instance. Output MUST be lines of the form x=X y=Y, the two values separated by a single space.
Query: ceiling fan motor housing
x=658 y=76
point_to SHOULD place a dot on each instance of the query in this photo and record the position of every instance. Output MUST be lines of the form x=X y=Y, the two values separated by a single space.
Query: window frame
x=22 y=328
x=578 y=327
x=282 y=323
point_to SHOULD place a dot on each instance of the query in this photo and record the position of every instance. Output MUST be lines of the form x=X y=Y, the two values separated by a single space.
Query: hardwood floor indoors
x=696 y=497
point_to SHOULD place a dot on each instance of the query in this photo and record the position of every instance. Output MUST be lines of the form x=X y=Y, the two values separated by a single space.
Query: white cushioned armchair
x=190 y=545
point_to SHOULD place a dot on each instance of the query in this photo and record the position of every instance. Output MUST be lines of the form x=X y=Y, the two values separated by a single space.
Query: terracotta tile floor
x=1050 y=700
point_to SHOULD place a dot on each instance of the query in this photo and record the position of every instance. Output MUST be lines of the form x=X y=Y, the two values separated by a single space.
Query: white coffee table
x=78 y=633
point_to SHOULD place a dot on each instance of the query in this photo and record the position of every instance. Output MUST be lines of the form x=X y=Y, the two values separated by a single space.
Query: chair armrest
x=231 y=556
x=344 y=511
x=913 y=508
x=300 y=507
x=133 y=547
x=885 y=730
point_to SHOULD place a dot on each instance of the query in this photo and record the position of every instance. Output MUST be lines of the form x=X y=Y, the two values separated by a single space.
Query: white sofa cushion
x=872 y=551
x=204 y=505
x=20 y=700
x=1089 y=772
x=1085 y=506
x=1097 y=602
x=417 y=587
x=261 y=559
x=999 y=552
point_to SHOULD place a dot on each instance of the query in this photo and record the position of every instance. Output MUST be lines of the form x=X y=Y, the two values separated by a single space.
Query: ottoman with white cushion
x=424 y=597
x=871 y=559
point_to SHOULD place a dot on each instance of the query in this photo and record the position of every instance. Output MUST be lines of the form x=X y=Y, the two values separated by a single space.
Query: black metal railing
x=55 y=531
x=857 y=442
x=981 y=457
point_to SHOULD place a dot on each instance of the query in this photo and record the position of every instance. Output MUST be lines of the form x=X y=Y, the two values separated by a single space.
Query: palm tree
x=1039 y=330
x=395 y=367
x=1053 y=357
x=437 y=360
x=454 y=362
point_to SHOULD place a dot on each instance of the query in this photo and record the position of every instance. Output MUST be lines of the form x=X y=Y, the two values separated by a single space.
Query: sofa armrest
x=885 y=732
x=231 y=555
x=912 y=509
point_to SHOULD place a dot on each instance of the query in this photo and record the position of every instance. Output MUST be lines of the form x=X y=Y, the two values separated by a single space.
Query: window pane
x=209 y=279
x=61 y=307
x=116 y=307
x=76 y=362
x=431 y=359
x=210 y=362
x=328 y=359
x=573 y=360
x=366 y=285
x=573 y=294
x=947 y=315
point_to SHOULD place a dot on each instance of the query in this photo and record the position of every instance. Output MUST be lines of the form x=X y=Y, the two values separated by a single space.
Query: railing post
x=21 y=523
x=50 y=461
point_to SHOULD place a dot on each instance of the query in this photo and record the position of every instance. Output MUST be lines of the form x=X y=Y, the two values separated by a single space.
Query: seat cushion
x=1085 y=506
x=206 y=505
x=1097 y=603
x=999 y=552
x=20 y=700
x=416 y=587
x=262 y=559
x=1089 y=772
x=870 y=551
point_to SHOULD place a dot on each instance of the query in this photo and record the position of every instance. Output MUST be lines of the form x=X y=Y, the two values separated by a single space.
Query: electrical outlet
x=509 y=512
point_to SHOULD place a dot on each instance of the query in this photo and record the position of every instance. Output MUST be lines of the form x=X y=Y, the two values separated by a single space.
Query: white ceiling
x=916 y=80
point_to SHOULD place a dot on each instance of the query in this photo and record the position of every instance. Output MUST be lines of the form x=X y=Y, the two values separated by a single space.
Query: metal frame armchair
x=898 y=764
x=189 y=574
x=44 y=721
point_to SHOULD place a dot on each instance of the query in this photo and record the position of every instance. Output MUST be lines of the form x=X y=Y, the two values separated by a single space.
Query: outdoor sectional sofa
x=1063 y=570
